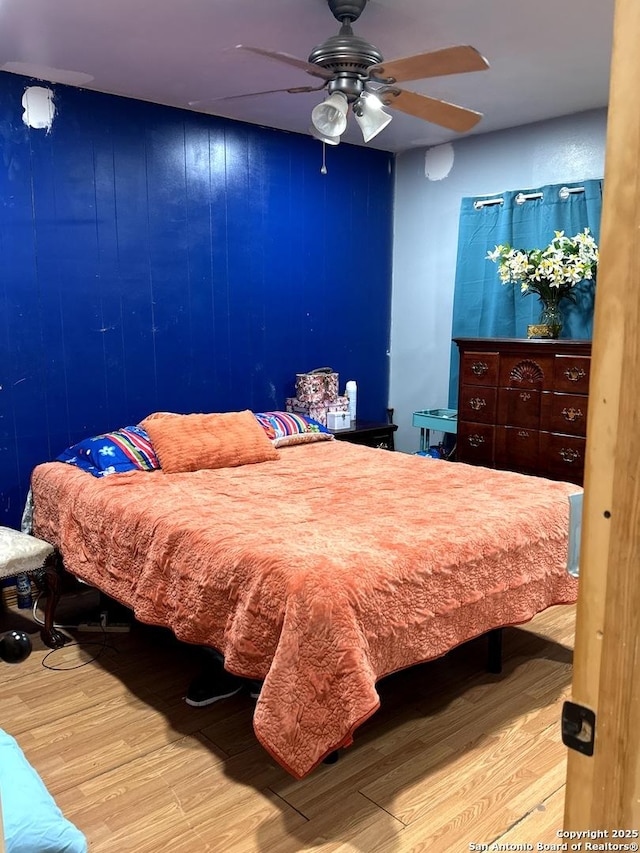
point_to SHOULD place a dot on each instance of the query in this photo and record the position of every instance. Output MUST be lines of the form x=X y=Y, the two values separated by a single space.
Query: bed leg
x=52 y=569
x=332 y=757
x=494 y=651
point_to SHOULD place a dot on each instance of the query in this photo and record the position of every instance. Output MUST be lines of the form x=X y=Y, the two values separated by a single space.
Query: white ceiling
x=548 y=57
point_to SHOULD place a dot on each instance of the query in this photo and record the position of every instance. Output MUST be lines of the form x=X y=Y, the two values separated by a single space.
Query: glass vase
x=550 y=319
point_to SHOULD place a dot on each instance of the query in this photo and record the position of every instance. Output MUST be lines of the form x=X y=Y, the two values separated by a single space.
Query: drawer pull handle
x=575 y=374
x=523 y=433
x=479 y=368
x=476 y=440
x=477 y=403
x=569 y=454
x=572 y=414
x=524 y=396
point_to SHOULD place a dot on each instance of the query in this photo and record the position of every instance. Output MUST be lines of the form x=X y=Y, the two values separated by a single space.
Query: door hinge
x=578 y=727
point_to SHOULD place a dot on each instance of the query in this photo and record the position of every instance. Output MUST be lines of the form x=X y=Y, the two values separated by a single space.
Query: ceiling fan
x=355 y=75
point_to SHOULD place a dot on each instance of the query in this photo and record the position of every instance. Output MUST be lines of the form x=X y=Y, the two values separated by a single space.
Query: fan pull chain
x=323 y=170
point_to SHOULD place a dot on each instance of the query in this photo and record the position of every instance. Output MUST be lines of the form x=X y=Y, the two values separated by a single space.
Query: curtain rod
x=563 y=193
x=480 y=204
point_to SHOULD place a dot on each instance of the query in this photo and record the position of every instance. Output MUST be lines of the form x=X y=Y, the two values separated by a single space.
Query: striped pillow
x=126 y=449
x=285 y=428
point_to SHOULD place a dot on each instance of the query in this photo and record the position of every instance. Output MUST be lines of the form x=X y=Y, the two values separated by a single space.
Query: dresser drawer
x=477 y=403
x=572 y=373
x=565 y=413
x=522 y=371
x=479 y=368
x=475 y=443
x=517 y=449
x=519 y=407
x=562 y=456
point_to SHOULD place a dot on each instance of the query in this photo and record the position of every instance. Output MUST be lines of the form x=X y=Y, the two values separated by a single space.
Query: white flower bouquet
x=552 y=273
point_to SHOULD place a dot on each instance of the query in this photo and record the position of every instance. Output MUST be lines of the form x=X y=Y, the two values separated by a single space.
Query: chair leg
x=53 y=570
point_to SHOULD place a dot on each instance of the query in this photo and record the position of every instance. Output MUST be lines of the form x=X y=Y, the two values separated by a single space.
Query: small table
x=369 y=433
x=442 y=420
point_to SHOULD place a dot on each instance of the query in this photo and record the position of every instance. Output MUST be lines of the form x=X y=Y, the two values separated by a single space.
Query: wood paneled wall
x=158 y=259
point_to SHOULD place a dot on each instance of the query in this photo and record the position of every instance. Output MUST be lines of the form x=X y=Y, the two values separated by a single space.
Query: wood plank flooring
x=455 y=756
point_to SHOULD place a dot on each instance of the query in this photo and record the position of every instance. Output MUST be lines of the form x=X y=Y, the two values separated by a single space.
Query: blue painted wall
x=157 y=259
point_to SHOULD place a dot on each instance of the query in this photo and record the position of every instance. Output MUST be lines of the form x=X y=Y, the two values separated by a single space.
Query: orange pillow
x=193 y=442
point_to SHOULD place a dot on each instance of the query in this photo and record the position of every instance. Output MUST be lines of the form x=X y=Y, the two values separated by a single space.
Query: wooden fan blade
x=315 y=70
x=438 y=63
x=294 y=90
x=431 y=109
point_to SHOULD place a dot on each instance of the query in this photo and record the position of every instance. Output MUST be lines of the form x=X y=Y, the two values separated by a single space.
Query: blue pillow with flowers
x=285 y=428
x=126 y=449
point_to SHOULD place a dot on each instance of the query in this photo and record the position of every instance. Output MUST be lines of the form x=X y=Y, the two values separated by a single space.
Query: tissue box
x=316 y=388
x=317 y=411
x=338 y=420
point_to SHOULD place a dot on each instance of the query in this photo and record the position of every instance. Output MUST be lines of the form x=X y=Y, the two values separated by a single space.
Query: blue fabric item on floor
x=32 y=821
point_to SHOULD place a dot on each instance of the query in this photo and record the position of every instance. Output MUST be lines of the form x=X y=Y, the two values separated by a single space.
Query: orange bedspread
x=318 y=572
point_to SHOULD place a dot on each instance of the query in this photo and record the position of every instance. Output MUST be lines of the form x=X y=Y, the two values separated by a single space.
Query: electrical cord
x=102 y=645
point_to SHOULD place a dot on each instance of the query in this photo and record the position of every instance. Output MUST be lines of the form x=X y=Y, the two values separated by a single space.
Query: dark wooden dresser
x=522 y=405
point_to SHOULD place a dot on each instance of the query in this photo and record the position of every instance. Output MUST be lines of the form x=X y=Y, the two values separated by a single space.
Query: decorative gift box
x=317 y=386
x=317 y=411
x=338 y=420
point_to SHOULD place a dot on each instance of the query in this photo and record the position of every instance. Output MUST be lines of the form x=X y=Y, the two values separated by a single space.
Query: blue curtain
x=483 y=307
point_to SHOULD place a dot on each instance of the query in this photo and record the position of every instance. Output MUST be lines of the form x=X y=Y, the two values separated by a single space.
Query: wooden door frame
x=603 y=791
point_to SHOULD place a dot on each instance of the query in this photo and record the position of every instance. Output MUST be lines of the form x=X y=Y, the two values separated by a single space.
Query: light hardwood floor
x=455 y=756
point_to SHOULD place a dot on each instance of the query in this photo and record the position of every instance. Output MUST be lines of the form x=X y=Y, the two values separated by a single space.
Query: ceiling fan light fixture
x=322 y=137
x=330 y=117
x=370 y=115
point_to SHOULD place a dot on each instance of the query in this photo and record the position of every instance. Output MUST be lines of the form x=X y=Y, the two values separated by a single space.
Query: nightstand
x=369 y=433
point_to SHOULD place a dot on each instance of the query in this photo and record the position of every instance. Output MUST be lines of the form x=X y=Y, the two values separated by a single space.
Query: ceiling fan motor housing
x=348 y=57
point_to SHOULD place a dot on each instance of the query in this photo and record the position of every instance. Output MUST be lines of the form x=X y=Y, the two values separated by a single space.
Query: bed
x=319 y=570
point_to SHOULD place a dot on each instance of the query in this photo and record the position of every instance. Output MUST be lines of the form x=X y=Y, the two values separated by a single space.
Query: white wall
x=566 y=149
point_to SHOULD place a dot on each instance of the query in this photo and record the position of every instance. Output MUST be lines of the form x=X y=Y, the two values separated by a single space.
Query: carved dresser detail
x=522 y=405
